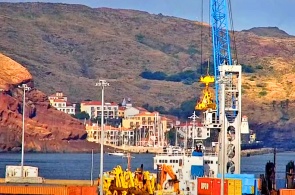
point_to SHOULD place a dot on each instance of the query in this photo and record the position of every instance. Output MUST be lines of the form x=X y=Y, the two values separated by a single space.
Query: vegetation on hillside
x=188 y=77
x=185 y=110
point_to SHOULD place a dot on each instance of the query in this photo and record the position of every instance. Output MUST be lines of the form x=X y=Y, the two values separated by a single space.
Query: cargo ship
x=251 y=142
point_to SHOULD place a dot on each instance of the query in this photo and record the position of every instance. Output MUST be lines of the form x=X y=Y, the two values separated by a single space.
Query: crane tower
x=226 y=118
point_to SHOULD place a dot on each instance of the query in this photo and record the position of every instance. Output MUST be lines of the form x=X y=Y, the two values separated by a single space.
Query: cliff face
x=46 y=129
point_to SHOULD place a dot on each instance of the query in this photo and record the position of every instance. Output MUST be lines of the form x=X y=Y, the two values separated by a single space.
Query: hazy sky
x=246 y=13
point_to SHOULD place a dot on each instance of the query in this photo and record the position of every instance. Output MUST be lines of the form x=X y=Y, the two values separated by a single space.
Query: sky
x=246 y=13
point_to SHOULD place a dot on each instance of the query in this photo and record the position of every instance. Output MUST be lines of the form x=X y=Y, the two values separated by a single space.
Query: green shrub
x=260 y=85
x=140 y=38
x=247 y=69
x=263 y=93
x=259 y=67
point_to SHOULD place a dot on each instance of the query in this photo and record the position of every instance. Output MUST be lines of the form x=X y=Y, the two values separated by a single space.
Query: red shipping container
x=211 y=186
x=205 y=186
x=217 y=187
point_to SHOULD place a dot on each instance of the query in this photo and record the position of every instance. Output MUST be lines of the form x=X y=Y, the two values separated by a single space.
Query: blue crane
x=220 y=39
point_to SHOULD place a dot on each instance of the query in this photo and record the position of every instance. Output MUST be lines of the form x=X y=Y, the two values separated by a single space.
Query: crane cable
x=232 y=31
x=202 y=21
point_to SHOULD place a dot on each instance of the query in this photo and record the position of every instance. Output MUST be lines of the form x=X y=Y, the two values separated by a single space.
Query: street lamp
x=25 y=88
x=102 y=84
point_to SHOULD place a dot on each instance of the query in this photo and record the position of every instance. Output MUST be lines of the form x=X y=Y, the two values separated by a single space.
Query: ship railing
x=174 y=154
x=185 y=154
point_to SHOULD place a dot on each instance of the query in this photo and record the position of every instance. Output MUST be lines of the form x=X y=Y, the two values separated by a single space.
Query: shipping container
x=15 y=171
x=287 y=191
x=211 y=186
x=52 y=190
x=234 y=186
x=248 y=181
x=74 y=190
x=205 y=186
x=217 y=187
x=89 y=190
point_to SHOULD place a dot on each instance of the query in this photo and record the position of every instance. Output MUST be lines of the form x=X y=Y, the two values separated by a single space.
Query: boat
x=187 y=164
x=116 y=153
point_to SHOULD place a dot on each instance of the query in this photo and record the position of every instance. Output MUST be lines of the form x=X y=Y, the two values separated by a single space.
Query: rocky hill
x=46 y=129
x=269 y=32
x=70 y=47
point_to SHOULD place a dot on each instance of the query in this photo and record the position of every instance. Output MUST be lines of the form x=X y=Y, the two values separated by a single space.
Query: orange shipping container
x=287 y=191
x=18 y=189
x=211 y=186
x=74 y=190
x=89 y=190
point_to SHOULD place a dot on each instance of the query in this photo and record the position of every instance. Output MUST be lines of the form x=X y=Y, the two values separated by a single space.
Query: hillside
x=70 y=47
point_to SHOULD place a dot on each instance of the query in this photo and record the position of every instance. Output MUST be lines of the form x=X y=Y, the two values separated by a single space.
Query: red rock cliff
x=46 y=129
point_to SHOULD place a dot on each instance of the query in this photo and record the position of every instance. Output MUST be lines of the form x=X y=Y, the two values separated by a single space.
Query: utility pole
x=222 y=144
x=102 y=84
x=25 y=88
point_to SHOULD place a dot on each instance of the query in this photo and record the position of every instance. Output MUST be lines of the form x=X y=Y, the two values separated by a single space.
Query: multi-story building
x=93 y=108
x=112 y=135
x=60 y=102
x=151 y=125
x=121 y=112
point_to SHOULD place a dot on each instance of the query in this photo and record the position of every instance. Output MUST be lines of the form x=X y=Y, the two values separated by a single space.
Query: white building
x=60 y=102
x=93 y=108
x=132 y=111
x=112 y=135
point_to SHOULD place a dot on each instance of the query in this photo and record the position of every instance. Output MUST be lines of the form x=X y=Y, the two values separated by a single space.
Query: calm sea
x=78 y=166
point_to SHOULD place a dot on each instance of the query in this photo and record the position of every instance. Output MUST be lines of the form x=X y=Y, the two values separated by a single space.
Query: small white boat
x=116 y=154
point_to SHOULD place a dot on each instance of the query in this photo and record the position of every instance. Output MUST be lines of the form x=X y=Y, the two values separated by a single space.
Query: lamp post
x=25 y=88
x=102 y=84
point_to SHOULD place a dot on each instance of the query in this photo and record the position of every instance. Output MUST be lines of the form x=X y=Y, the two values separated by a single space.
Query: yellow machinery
x=164 y=170
x=119 y=182
x=206 y=100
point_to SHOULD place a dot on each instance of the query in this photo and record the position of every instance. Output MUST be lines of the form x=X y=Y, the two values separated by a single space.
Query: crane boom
x=220 y=39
